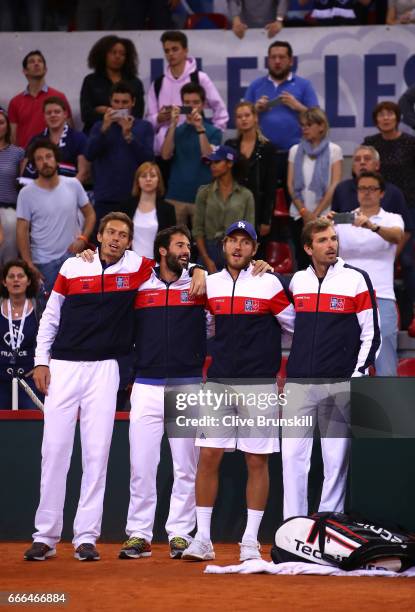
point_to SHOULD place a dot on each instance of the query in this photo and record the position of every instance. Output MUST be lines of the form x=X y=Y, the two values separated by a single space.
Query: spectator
x=47 y=221
x=18 y=330
x=261 y=168
x=218 y=205
x=112 y=59
x=97 y=14
x=314 y=170
x=185 y=145
x=165 y=91
x=117 y=145
x=333 y=12
x=26 y=109
x=10 y=164
x=400 y=11
x=397 y=159
x=406 y=106
x=21 y=15
x=151 y=214
x=370 y=244
x=268 y=14
x=71 y=143
x=147 y=14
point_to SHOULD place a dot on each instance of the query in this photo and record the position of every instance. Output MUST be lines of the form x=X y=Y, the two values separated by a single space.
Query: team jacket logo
x=122 y=282
x=184 y=296
x=336 y=303
x=251 y=305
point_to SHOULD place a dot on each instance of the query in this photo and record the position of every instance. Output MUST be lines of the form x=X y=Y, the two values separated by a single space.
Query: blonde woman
x=151 y=213
x=314 y=170
x=259 y=173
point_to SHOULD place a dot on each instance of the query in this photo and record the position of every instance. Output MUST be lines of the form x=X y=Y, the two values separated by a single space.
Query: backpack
x=346 y=541
x=194 y=78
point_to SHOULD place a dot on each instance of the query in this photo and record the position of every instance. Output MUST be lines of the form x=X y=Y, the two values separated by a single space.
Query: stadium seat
x=280 y=206
x=206 y=366
x=207 y=21
x=406 y=367
x=278 y=255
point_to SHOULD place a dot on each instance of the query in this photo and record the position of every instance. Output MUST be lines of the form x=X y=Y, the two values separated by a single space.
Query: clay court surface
x=159 y=583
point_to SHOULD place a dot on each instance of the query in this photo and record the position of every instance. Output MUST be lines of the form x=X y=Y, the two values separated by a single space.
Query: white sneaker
x=250 y=549
x=199 y=550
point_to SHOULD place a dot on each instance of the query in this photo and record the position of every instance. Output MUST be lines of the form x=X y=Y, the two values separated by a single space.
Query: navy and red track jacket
x=336 y=332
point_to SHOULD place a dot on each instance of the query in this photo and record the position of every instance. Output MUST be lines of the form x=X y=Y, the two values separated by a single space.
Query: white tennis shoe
x=199 y=550
x=250 y=549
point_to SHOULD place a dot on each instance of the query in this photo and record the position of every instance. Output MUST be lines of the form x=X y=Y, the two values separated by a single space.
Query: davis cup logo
x=122 y=282
x=336 y=303
x=251 y=305
x=184 y=297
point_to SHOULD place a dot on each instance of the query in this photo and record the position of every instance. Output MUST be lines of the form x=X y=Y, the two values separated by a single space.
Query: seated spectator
x=165 y=91
x=397 y=160
x=117 y=145
x=47 y=217
x=260 y=171
x=400 y=12
x=186 y=144
x=314 y=169
x=71 y=143
x=370 y=243
x=11 y=158
x=333 y=12
x=112 y=59
x=218 y=205
x=253 y=14
x=26 y=109
x=151 y=214
x=18 y=330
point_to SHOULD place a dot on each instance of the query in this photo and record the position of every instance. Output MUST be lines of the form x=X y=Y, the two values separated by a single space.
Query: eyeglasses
x=369 y=189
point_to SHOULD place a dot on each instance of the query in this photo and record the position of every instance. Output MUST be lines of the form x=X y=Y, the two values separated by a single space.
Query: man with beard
x=250 y=313
x=170 y=343
x=47 y=216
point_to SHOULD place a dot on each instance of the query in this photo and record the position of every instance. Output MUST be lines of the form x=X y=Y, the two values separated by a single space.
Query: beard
x=47 y=172
x=175 y=265
x=280 y=74
x=240 y=264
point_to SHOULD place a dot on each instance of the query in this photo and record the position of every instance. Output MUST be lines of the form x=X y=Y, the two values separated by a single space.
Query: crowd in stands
x=155 y=156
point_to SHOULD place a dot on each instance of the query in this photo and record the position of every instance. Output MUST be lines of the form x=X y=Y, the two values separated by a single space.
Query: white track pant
x=329 y=406
x=90 y=387
x=146 y=431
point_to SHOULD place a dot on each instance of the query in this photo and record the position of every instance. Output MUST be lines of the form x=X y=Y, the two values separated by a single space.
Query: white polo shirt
x=367 y=250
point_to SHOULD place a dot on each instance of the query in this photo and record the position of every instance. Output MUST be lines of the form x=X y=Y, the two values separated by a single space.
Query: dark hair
x=32 y=289
x=55 y=100
x=35 y=52
x=98 y=55
x=42 y=143
x=314 y=227
x=116 y=216
x=193 y=88
x=373 y=175
x=122 y=87
x=7 y=136
x=386 y=105
x=281 y=43
x=163 y=238
x=174 y=36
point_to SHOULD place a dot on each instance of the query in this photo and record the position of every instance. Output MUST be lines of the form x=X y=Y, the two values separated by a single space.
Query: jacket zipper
x=320 y=282
x=233 y=321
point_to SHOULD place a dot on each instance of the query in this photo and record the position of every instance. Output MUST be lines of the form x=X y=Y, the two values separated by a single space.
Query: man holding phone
x=185 y=145
x=117 y=146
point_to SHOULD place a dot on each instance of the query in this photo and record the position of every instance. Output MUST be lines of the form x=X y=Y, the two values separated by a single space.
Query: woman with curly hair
x=112 y=59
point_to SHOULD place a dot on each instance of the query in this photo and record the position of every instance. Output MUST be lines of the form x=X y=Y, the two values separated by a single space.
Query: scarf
x=321 y=174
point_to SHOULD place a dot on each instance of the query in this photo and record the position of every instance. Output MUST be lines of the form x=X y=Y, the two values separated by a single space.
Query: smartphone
x=344 y=217
x=121 y=113
x=185 y=110
x=274 y=102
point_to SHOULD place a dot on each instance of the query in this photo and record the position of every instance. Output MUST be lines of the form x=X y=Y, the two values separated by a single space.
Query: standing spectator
x=147 y=14
x=165 y=91
x=218 y=205
x=260 y=174
x=26 y=109
x=112 y=59
x=186 y=145
x=397 y=160
x=406 y=106
x=10 y=164
x=71 y=143
x=314 y=170
x=47 y=216
x=117 y=145
x=370 y=244
x=18 y=330
x=268 y=14
x=400 y=12
x=97 y=14
x=151 y=214
x=21 y=15
x=333 y=12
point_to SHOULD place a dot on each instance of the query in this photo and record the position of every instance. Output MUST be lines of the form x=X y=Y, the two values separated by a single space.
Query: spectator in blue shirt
x=117 y=146
x=186 y=145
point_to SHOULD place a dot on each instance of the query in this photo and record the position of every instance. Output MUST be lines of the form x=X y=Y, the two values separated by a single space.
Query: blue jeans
x=50 y=272
x=387 y=361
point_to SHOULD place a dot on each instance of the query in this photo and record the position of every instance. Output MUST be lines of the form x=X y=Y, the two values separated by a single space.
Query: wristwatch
x=375 y=228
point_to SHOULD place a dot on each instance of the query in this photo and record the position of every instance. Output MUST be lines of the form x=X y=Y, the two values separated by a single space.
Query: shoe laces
x=179 y=541
x=136 y=542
